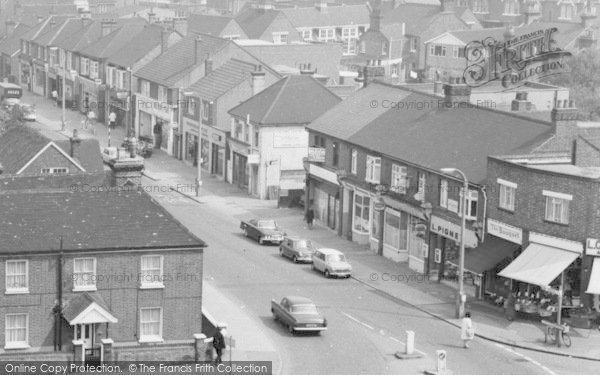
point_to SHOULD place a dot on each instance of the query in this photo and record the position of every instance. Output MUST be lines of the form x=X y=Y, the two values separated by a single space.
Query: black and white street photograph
x=300 y=187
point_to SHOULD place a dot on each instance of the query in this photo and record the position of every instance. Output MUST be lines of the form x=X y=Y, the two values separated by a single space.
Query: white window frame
x=16 y=344
x=278 y=37
x=414 y=44
x=552 y=200
x=373 y=170
x=55 y=170
x=326 y=34
x=151 y=284
x=90 y=285
x=85 y=66
x=442 y=53
x=511 y=8
x=363 y=224
x=566 y=11
x=162 y=94
x=151 y=338
x=191 y=106
x=110 y=76
x=20 y=289
x=306 y=35
x=145 y=88
x=399 y=179
x=444 y=193
x=205 y=110
x=69 y=60
x=472 y=197
x=354 y=161
x=121 y=79
x=507 y=192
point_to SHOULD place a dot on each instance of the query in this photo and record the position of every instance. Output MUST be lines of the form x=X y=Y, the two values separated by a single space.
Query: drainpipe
x=484 y=213
x=58 y=308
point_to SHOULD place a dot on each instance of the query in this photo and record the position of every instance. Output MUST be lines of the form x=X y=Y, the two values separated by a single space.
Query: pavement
x=395 y=280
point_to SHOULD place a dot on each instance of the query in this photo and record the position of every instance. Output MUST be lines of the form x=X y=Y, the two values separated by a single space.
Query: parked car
x=263 y=231
x=297 y=249
x=331 y=262
x=298 y=314
x=28 y=112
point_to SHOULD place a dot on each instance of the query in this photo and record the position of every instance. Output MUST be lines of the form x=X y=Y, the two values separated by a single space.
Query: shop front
x=25 y=74
x=155 y=117
x=52 y=83
x=324 y=195
x=89 y=96
x=240 y=165
x=592 y=251
x=545 y=276
x=291 y=186
x=119 y=104
x=190 y=148
x=39 y=79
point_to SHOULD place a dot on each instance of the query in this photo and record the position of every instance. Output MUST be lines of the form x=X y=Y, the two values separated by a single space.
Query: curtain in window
x=16 y=275
x=84 y=272
x=150 y=269
x=150 y=322
x=16 y=328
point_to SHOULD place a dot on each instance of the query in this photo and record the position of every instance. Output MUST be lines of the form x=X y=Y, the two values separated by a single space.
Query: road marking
x=530 y=360
x=358 y=321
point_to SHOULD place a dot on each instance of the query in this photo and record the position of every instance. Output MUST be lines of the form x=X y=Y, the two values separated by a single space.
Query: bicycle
x=554 y=332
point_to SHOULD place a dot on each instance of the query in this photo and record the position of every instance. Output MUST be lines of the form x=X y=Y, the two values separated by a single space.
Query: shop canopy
x=539 y=264
x=594 y=285
x=488 y=254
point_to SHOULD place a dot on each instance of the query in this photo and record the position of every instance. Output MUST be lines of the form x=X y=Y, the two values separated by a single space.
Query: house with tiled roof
x=221 y=26
x=265 y=23
x=268 y=140
x=228 y=8
x=380 y=181
x=32 y=160
x=121 y=66
x=121 y=277
x=162 y=82
x=10 y=48
x=206 y=123
x=324 y=23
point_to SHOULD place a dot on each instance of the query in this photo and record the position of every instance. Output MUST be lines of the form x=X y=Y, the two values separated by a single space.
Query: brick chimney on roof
x=564 y=119
x=197 y=50
x=258 y=80
x=107 y=26
x=306 y=70
x=164 y=40
x=321 y=5
x=180 y=24
x=456 y=91
x=375 y=16
x=520 y=102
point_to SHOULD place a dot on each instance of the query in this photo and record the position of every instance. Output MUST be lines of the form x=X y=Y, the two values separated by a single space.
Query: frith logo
x=512 y=62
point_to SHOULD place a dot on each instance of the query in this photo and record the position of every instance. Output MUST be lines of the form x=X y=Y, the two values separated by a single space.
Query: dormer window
x=566 y=11
x=511 y=8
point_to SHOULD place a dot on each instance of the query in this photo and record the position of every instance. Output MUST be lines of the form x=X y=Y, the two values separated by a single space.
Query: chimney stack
x=85 y=15
x=263 y=5
x=306 y=70
x=375 y=16
x=258 y=80
x=520 y=103
x=447 y=5
x=164 y=40
x=75 y=141
x=197 y=50
x=107 y=26
x=564 y=119
x=456 y=92
x=10 y=26
x=180 y=24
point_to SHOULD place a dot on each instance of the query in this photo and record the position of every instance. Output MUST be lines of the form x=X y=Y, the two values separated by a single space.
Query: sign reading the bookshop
x=450 y=230
x=316 y=154
x=505 y=231
x=592 y=247
x=514 y=61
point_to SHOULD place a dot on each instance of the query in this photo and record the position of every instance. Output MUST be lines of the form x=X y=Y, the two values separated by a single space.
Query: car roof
x=330 y=251
x=295 y=300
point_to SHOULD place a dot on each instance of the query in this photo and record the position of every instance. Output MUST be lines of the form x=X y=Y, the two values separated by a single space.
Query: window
x=17 y=331
x=349 y=47
x=363 y=46
x=421 y=187
x=84 y=274
x=362 y=215
x=256 y=134
x=373 y=169
x=349 y=32
x=458 y=52
x=55 y=170
x=479 y=6
x=399 y=181
x=94 y=69
x=53 y=58
x=471 y=206
x=145 y=88
x=353 y=161
x=511 y=7
x=111 y=77
x=306 y=35
x=557 y=207
x=436 y=50
x=326 y=35
x=414 y=43
x=246 y=132
x=151 y=271
x=85 y=66
x=384 y=48
x=151 y=324
x=17 y=278
x=280 y=38
x=121 y=79
x=69 y=60
x=395 y=70
x=163 y=94
x=507 y=195
x=205 y=110
x=191 y=106
x=238 y=130
x=396 y=229
x=444 y=193
x=566 y=11
x=336 y=153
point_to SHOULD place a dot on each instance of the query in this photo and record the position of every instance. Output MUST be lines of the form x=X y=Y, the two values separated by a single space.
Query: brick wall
x=117 y=276
x=159 y=352
x=51 y=158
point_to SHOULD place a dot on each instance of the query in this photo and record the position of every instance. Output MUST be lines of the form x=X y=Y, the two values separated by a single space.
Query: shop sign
x=505 y=231
x=452 y=205
x=316 y=154
x=323 y=174
x=592 y=247
x=450 y=230
x=437 y=256
x=253 y=159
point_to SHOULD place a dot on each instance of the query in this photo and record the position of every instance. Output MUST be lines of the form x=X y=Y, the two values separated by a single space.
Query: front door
x=85 y=333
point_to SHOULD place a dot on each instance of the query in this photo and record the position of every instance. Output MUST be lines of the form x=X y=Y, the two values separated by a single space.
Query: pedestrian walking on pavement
x=509 y=307
x=219 y=342
x=112 y=120
x=310 y=217
x=467 y=331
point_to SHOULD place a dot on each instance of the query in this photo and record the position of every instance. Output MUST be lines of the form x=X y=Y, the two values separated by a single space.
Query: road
x=365 y=326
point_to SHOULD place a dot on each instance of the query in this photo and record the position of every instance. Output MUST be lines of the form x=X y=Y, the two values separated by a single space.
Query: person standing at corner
x=310 y=217
x=219 y=342
x=467 y=332
x=112 y=119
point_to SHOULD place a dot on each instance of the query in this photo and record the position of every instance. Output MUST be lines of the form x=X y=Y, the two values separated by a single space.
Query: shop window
x=362 y=215
x=507 y=192
x=373 y=169
x=395 y=232
x=557 y=207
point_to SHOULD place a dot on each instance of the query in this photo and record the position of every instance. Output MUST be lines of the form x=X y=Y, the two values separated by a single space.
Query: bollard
x=409 y=350
x=440 y=365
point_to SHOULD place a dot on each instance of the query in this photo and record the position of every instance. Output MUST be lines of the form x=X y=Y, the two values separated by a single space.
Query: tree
x=583 y=81
x=10 y=118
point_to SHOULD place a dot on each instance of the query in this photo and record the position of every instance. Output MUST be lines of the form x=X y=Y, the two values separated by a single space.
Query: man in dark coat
x=219 y=342
x=310 y=217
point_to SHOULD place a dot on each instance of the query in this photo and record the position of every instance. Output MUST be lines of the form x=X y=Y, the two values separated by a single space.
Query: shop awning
x=539 y=264
x=594 y=285
x=401 y=206
x=488 y=254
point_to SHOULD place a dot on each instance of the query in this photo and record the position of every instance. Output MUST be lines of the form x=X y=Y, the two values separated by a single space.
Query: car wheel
x=245 y=232
x=261 y=241
x=294 y=259
x=327 y=274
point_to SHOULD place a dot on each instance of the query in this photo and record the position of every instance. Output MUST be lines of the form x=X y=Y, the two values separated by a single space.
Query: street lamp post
x=461 y=298
x=427 y=209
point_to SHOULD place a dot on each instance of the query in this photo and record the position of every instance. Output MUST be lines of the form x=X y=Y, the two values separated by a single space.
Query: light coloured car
x=28 y=112
x=297 y=249
x=298 y=314
x=331 y=262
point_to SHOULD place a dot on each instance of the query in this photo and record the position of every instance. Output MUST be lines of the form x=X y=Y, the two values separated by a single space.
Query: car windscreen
x=304 y=244
x=269 y=224
x=335 y=258
x=304 y=309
